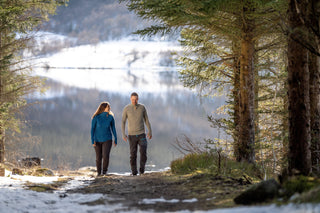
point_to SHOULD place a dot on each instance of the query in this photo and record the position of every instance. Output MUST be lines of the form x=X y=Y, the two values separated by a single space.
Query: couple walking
x=101 y=137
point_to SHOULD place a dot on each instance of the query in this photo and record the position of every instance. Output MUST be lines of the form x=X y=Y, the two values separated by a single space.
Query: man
x=137 y=116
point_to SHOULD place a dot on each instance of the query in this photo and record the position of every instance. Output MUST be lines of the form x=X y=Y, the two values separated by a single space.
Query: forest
x=94 y=21
x=263 y=54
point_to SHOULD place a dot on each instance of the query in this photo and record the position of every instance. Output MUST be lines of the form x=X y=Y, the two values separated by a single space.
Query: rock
x=259 y=193
x=16 y=171
x=63 y=195
x=31 y=162
x=43 y=172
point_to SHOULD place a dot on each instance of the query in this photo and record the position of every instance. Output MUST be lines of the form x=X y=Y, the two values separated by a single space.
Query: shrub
x=215 y=164
x=192 y=162
x=299 y=184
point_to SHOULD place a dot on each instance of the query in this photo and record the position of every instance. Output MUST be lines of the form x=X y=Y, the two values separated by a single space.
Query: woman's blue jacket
x=101 y=127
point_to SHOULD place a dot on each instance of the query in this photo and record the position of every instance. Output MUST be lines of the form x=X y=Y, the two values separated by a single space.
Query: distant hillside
x=94 y=21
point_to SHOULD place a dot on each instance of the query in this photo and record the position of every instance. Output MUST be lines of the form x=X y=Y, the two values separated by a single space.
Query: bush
x=212 y=163
x=192 y=162
x=299 y=184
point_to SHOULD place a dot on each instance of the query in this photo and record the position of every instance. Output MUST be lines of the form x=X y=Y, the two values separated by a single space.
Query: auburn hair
x=101 y=109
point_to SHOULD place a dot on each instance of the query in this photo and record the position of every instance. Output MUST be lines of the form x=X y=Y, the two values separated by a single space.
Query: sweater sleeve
x=123 y=122
x=146 y=120
x=93 y=128
x=113 y=128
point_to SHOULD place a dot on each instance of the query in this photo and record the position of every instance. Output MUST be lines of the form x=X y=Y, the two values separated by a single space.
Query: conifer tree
x=233 y=21
x=18 y=18
x=314 y=69
x=299 y=91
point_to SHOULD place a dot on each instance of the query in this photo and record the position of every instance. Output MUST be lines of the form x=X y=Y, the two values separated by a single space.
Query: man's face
x=134 y=100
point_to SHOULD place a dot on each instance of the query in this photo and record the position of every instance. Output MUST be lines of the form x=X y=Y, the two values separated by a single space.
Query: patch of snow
x=117 y=66
x=15 y=198
x=190 y=200
x=122 y=54
x=16 y=181
x=158 y=200
x=162 y=200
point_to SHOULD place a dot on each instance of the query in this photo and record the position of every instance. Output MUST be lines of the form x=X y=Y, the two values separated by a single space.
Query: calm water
x=62 y=119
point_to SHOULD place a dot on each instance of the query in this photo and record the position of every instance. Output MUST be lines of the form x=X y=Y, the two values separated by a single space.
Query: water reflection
x=63 y=121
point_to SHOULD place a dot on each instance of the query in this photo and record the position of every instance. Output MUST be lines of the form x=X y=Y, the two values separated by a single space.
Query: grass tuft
x=212 y=163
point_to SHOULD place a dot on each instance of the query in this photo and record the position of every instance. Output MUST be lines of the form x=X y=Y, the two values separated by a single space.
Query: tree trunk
x=256 y=104
x=1 y=147
x=314 y=111
x=236 y=97
x=285 y=129
x=314 y=70
x=299 y=101
x=1 y=103
x=246 y=130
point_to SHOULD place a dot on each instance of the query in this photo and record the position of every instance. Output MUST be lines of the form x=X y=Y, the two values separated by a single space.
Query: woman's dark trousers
x=134 y=141
x=102 y=156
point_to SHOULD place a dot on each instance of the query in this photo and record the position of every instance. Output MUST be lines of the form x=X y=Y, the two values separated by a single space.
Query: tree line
x=266 y=54
x=94 y=21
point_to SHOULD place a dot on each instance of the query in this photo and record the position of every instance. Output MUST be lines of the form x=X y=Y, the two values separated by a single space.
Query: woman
x=102 y=125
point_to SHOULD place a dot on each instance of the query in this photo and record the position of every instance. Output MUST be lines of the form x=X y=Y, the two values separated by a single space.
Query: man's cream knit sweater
x=136 y=116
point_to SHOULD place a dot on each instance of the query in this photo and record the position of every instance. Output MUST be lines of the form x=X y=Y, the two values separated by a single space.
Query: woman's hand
x=94 y=144
x=114 y=144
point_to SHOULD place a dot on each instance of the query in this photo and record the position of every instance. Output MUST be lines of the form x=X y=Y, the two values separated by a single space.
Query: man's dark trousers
x=134 y=141
x=103 y=152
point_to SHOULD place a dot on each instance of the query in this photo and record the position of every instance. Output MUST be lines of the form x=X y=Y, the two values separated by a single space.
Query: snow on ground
x=121 y=54
x=112 y=65
x=14 y=198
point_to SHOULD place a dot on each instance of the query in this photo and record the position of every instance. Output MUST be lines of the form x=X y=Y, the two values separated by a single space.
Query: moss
x=311 y=196
x=42 y=172
x=299 y=184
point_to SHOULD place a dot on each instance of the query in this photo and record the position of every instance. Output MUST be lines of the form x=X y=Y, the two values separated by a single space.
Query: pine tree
x=18 y=18
x=233 y=21
x=314 y=69
x=299 y=97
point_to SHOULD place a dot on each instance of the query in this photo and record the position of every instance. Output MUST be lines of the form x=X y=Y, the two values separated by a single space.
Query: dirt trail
x=192 y=192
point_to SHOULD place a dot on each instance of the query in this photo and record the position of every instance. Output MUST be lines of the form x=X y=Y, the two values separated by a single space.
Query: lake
x=62 y=118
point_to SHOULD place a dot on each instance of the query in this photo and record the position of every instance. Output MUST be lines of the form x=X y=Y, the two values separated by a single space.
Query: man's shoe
x=141 y=171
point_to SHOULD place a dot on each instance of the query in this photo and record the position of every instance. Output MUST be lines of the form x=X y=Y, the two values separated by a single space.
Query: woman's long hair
x=101 y=109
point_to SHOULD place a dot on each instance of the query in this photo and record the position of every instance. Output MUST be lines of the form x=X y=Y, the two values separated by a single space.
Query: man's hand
x=125 y=138
x=149 y=136
x=94 y=144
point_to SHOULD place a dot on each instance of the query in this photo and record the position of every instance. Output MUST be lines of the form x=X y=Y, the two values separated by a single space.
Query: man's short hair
x=134 y=94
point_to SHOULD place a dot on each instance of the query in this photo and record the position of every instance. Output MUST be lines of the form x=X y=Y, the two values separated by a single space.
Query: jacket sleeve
x=113 y=128
x=93 y=128
x=146 y=120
